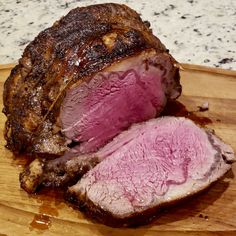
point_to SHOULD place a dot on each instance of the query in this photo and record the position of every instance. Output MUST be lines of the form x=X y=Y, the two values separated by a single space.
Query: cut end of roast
x=133 y=90
x=151 y=165
x=82 y=81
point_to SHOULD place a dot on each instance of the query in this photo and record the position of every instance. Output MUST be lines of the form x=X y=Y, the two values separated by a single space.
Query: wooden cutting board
x=210 y=213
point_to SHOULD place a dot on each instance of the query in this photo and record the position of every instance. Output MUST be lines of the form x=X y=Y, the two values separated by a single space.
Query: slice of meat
x=97 y=69
x=151 y=165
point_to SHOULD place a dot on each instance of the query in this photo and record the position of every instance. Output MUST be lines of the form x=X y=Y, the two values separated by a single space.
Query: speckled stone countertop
x=196 y=31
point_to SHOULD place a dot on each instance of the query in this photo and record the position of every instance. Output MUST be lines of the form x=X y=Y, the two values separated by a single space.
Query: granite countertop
x=195 y=31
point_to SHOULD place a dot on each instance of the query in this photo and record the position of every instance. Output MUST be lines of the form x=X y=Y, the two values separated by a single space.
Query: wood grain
x=210 y=213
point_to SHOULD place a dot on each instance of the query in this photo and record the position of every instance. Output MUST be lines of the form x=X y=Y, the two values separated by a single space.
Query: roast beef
x=85 y=80
x=82 y=81
x=151 y=165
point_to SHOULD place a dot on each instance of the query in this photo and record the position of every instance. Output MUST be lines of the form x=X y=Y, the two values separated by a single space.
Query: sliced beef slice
x=151 y=165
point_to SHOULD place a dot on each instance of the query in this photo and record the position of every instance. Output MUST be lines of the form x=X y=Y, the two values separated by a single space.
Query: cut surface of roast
x=132 y=91
x=151 y=165
x=84 y=80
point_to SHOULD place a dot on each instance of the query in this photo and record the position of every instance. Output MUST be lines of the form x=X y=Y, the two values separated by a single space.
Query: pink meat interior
x=96 y=111
x=143 y=162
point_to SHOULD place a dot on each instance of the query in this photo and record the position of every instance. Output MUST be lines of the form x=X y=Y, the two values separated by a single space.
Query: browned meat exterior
x=76 y=47
x=60 y=172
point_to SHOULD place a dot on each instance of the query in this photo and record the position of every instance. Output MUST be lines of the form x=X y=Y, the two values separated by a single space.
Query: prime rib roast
x=99 y=65
x=82 y=101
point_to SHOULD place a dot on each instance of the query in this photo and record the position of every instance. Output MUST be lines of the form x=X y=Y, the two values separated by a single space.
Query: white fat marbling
x=196 y=31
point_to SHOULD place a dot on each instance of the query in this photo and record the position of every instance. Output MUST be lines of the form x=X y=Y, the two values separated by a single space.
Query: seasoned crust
x=73 y=49
x=60 y=172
